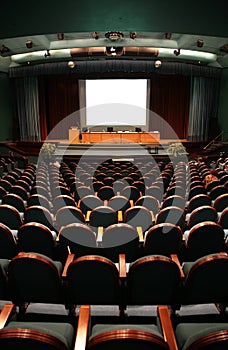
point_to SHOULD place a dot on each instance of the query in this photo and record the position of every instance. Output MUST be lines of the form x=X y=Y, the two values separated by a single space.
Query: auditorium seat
x=62 y=200
x=93 y=280
x=118 y=239
x=89 y=202
x=102 y=216
x=68 y=215
x=149 y=202
x=17 y=334
x=153 y=280
x=10 y=216
x=203 y=239
x=139 y=217
x=39 y=214
x=37 y=238
x=205 y=280
x=202 y=335
x=105 y=193
x=8 y=243
x=163 y=239
x=158 y=335
x=35 y=278
x=79 y=238
x=173 y=215
x=201 y=214
x=15 y=201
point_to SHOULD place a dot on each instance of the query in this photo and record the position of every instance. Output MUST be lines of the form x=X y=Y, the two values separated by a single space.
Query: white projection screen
x=114 y=102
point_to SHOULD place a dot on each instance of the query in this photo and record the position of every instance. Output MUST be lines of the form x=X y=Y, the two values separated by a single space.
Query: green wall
x=223 y=104
x=6 y=109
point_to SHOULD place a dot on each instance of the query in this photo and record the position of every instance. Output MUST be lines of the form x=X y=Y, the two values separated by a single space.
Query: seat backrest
x=8 y=243
x=205 y=280
x=34 y=277
x=174 y=200
x=37 y=238
x=10 y=216
x=201 y=214
x=79 y=237
x=68 y=215
x=164 y=239
x=119 y=203
x=149 y=202
x=173 y=215
x=63 y=200
x=217 y=191
x=203 y=239
x=103 y=216
x=223 y=221
x=89 y=202
x=101 y=287
x=197 y=201
x=14 y=200
x=120 y=239
x=221 y=202
x=105 y=193
x=152 y=280
x=39 y=214
x=138 y=216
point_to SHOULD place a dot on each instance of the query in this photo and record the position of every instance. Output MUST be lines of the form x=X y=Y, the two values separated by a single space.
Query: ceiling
x=140 y=28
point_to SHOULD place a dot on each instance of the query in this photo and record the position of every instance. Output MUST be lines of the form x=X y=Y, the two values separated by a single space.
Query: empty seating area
x=119 y=236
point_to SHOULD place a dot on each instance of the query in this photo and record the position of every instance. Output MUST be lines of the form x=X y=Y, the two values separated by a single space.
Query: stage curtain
x=169 y=105
x=59 y=105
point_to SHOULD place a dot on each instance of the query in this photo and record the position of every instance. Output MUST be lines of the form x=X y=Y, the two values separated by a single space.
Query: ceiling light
x=60 y=36
x=133 y=35
x=114 y=36
x=168 y=36
x=176 y=52
x=4 y=49
x=200 y=43
x=96 y=35
x=28 y=44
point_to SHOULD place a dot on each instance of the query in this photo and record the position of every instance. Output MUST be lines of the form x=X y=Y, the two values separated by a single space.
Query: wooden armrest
x=140 y=233
x=152 y=215
x=120 y=216
x=122 y=266
x=100 y=231
x=166 y=326
x=7 y=311
x=174 y=257
x=87 y=215
x=82 y=328
x=106 y=202
x=69 y=260
x=131 y=203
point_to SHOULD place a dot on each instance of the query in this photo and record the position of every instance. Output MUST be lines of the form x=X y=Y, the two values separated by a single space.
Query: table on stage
x=120 y=137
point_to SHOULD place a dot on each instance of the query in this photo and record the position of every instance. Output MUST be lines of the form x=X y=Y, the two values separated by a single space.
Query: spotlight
x=28 y=44
x=200 y=43
x=168 y=36
x=176 y=52
x=157 y=64
x=71 y=64
x=96 y=35
x=133 y=35
x=47 y=54
x=60 y=36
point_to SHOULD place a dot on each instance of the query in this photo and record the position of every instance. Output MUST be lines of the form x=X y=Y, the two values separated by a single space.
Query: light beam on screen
x=116 y=102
